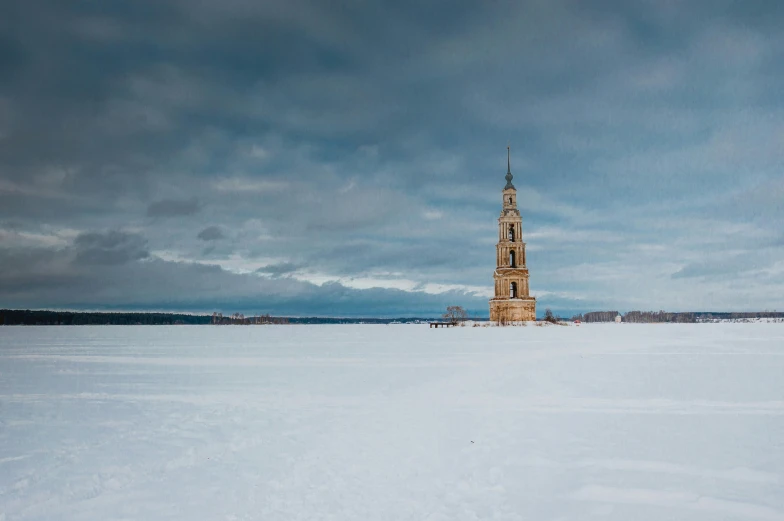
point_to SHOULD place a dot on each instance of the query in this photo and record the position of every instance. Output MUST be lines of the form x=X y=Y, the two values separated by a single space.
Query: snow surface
x=399 y=422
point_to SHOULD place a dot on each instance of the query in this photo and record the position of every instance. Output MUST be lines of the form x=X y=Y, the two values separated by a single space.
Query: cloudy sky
x=347 y=157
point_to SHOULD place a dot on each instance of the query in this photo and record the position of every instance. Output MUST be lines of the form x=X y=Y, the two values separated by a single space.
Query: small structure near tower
x=512 y=302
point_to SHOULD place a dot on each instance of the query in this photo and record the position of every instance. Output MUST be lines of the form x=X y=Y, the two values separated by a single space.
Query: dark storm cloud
x=277 y=270
x=366 y=140
x=109 y=248
x=211 y=233
x=17 y=262
x=173 y=208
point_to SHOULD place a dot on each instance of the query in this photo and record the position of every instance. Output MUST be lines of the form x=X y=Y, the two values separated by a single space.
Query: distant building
x=618 y=319
x=512 y=302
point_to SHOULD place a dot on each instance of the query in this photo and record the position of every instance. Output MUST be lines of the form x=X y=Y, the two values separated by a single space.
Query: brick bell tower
x=511 y=303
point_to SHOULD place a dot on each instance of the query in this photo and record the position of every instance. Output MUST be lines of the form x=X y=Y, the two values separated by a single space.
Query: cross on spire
x=508 y=170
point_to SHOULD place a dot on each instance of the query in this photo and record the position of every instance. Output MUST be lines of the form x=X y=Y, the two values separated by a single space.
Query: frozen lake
x=643 y=422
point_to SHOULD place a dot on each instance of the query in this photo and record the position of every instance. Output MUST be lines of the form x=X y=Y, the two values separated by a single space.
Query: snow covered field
x=643 y=422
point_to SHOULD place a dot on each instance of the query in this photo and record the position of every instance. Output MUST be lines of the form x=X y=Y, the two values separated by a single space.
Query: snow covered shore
x=395 y=422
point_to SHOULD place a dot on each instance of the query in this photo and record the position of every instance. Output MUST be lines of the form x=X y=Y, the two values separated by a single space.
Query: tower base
x=507 y=310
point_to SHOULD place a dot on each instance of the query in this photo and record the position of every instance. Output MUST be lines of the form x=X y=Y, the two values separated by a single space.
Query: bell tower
x=512 y=302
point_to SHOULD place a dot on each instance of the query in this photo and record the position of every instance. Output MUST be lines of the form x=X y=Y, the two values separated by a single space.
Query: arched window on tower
x=513 y=290
x=510 y=199
x=511 y=233
x=512 y=259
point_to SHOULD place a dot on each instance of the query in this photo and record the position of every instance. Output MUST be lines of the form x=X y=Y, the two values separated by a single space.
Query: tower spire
x=508 y=164
x=508 y=171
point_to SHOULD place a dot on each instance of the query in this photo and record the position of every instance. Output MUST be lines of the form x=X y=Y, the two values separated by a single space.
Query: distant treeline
x=597 y=316
x=14 y=317
x=18 y=317
x=240 y=319
x=655 y=317
x=707 y=315
x=327 y=320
